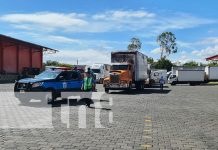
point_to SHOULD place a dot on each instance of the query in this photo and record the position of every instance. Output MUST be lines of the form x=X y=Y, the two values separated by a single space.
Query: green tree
x=213 y=64
x=135 y=44
x=163 y=64
x=51 y=63
x=167 y=42
x=56 y=63
x=150 y=60
x=190 y=64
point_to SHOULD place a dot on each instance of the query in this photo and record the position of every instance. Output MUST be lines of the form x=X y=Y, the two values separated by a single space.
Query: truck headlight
x=37 y=84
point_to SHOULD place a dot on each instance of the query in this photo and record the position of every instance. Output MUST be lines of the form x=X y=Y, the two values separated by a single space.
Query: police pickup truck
x=54 y=81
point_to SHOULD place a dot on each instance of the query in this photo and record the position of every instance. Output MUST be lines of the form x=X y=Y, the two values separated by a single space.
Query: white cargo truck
x=211 y=73
x=101 y=71
x=191 y=77
x=194 y=77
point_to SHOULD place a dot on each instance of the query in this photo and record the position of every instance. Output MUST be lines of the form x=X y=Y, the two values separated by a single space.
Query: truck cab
x=101 y=71
x=128 y=68
x=172 y=79
x=120 y=77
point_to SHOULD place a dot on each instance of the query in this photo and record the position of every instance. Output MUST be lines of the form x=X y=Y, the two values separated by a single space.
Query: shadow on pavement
x=39 y=100
x=213 y=84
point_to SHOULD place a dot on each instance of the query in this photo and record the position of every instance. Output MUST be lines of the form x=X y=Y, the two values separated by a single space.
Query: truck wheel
x=192 y=84
x=101 y=81
x=142 y=84
x=106 y=90
x=139 y=85
x=130 y=87
x=173 y=83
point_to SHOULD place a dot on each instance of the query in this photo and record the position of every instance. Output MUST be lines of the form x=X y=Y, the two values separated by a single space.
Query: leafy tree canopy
x=167 y=42
x=163 y=64
x=56 y=63
x=135 y=44
x=190 y=64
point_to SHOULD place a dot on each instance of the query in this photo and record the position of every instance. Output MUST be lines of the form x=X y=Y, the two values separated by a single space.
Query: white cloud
x=209 y=51
x=108 y=21
x=210 y=40
x=156 y=51
x=88 y=56
x=117 y=15
x=46 y=20
x=62 y=39
x=181 y=21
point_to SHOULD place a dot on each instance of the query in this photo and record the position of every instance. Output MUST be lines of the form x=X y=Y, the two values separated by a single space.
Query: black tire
x=142 y=85
x=192 y=84
x=130 y=87
x=100 y=81
x=106 y=90
x=15 y=87
x=173 y=83
x=139 y=85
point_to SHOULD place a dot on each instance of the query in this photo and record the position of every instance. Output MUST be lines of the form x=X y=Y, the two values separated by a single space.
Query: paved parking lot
x=181 y=117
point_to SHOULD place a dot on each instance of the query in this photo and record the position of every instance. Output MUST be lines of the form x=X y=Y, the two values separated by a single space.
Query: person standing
x=162 y=82
x=88 y=86
x=93 y=77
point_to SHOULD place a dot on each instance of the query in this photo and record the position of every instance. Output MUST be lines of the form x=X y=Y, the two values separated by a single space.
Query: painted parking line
x=146 y=146
x=147 y=120
x=148 y=125
x=147 y=132
x=147 y=137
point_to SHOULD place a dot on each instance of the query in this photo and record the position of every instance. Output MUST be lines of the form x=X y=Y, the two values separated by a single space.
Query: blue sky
x=89 y=30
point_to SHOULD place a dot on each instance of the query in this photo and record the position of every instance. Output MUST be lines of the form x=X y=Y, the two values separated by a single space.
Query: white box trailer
x=211 y=73
x=191 y=77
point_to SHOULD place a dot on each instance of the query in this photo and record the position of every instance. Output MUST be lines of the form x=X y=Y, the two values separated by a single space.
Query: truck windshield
x=119 y=67
x=96 y=70
x=48 y=75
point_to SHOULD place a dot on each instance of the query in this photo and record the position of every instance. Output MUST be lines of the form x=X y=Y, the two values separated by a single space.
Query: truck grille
x=114 y=78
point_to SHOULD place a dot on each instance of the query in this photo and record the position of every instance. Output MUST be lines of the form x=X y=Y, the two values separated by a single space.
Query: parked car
x=54 y=81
